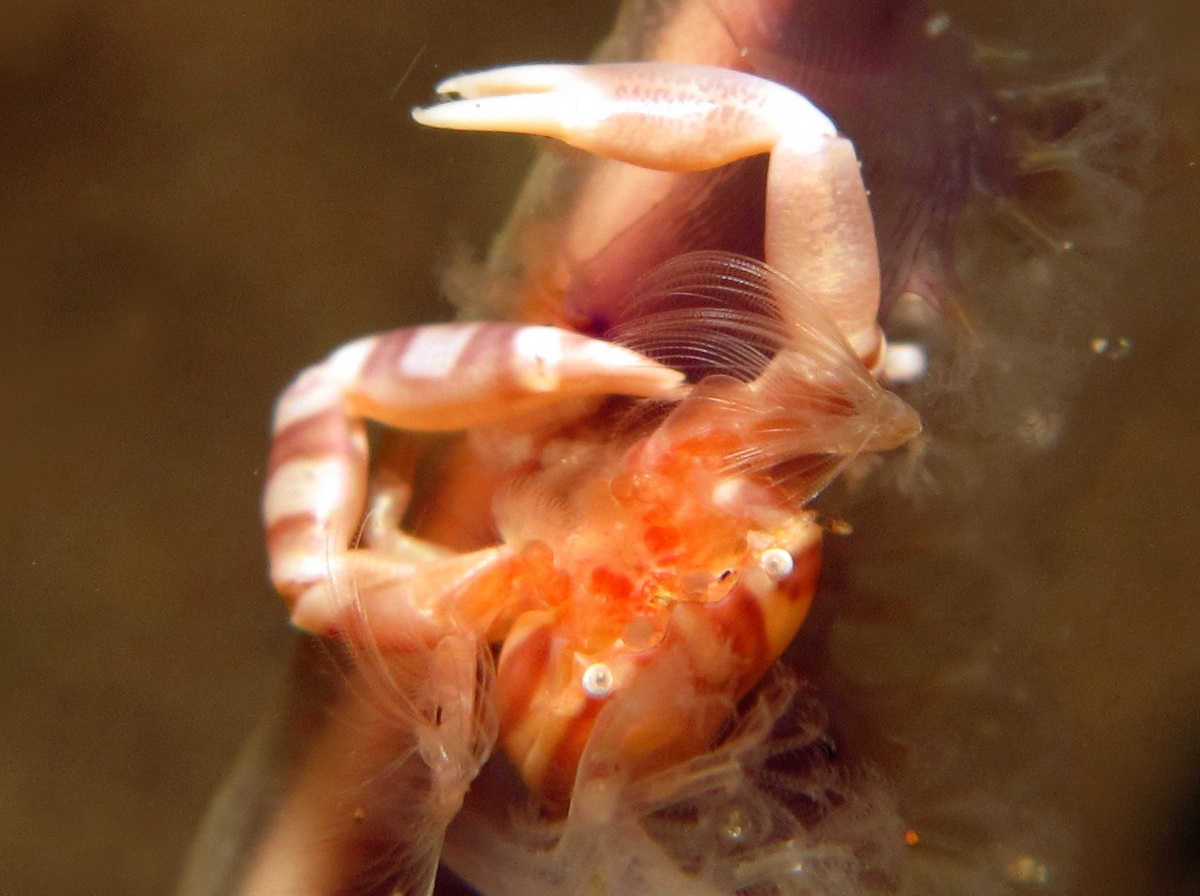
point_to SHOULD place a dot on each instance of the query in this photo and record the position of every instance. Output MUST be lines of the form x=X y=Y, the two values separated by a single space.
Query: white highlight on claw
x=435 y=351
x=777 y=563
x=308 y=487
x=597 y=680
x=539 y=354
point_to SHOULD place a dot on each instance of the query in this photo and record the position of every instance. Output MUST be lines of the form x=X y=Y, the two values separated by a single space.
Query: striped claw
x=438 y=378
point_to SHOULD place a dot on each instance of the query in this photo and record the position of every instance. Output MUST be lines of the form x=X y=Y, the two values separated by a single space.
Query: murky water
x=197 y=201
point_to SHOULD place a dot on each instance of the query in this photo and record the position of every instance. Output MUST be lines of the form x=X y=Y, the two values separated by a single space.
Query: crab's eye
x=777 y=563
x=597 y=680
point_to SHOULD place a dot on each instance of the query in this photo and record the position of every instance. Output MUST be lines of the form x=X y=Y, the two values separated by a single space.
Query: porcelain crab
x=653 y=557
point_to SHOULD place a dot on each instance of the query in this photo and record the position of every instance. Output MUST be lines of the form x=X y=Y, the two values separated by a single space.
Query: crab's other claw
x=819 y=230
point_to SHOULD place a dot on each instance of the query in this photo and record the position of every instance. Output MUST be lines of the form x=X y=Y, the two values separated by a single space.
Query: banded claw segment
x=436 y=378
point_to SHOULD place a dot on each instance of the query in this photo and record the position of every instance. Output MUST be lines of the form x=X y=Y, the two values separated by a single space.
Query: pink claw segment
x=819 y=230
x=656 y=115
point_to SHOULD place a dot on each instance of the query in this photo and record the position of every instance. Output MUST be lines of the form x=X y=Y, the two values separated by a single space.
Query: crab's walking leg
x=438 y=378
x=819 y=230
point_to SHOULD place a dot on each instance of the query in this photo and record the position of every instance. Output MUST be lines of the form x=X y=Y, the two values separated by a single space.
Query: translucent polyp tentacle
x=819 y=229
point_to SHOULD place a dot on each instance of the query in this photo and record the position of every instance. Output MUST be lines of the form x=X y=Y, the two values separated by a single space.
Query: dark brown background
x=196 y=200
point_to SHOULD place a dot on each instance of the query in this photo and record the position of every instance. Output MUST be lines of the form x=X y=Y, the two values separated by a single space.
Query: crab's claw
x=819 y=230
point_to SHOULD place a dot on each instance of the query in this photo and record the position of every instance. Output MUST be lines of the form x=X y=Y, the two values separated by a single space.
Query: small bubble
x=905 y=362
x=1116 y=349
x=735 y=827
